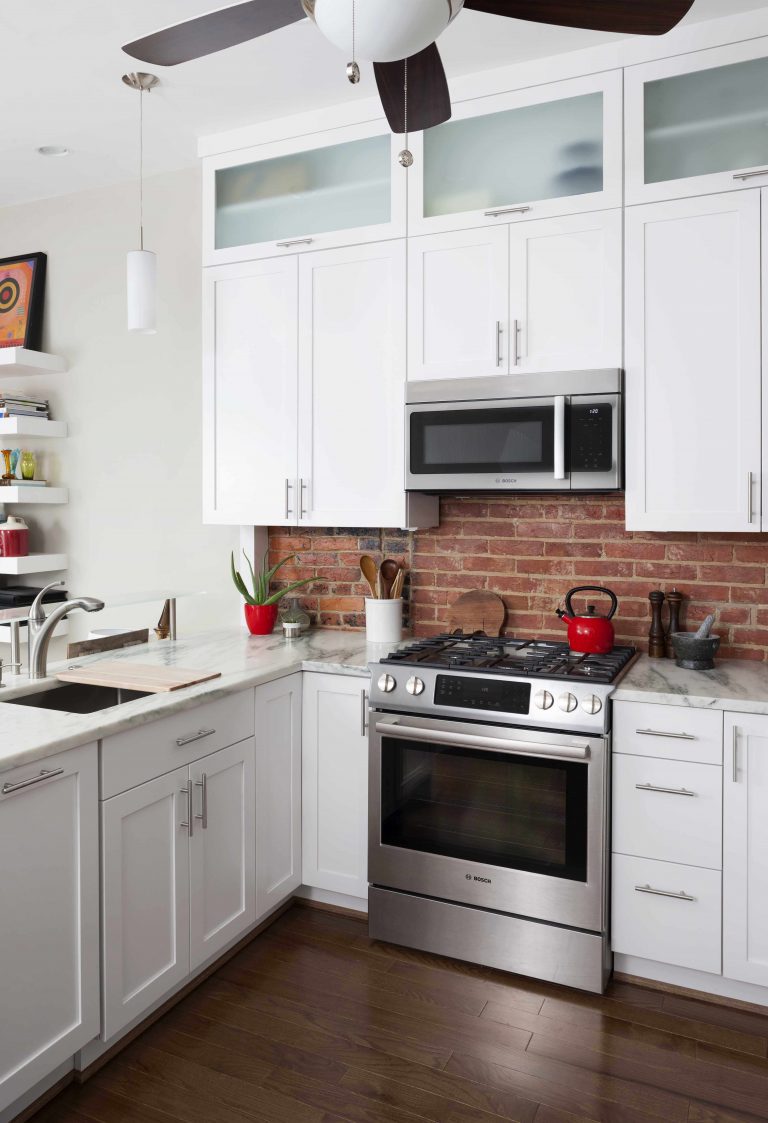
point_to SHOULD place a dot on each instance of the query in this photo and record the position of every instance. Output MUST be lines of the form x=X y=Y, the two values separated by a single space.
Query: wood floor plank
x=706 y=1113
x=744 y=1021
x=99 y=1105
x=342 y=1100
x=547 y=1114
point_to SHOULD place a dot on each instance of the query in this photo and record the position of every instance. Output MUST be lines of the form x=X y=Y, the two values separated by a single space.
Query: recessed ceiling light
x=53 y=150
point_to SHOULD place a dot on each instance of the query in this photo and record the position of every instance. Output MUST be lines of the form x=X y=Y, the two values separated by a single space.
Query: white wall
x=132 y=460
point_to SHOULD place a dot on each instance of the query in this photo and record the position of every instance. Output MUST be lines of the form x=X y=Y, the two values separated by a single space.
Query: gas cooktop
x=509 y=656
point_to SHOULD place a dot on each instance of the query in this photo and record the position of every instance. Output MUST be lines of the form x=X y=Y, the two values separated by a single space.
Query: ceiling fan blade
x=214 y=31
x=429 y=102
x=629 y=17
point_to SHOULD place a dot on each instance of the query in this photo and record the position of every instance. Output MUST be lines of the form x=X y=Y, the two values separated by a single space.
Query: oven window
x=518 y=439
x=519 y=812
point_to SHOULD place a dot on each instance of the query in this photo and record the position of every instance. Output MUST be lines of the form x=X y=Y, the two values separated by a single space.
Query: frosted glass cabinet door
x=533 y=153
x=698 y=124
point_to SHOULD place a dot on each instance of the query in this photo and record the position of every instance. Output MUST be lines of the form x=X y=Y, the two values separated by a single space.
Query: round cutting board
x=478 y=611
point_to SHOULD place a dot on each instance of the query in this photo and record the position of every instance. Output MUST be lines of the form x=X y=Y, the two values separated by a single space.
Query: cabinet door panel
x=565 y=292
x=745 y=849
x=250 y=392
x=335 y=784
x=145 y=897
x=352 y=384
x=278 y=792
x=222 y=850
x=49 y=922
x=693 y=364
x=458 y=287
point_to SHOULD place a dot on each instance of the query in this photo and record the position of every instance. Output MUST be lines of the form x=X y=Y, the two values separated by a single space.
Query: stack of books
x=24 y=405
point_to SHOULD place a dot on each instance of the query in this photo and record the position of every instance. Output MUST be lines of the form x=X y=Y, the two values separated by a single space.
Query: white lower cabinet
x=49 y=917
x=278 y=792
x=745 y=852
x=335 y=784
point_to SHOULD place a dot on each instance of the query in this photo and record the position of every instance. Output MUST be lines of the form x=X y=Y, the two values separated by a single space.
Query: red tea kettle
x=590 y=634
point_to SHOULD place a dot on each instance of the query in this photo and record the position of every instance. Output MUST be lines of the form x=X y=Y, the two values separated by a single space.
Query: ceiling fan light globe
x=385 y=30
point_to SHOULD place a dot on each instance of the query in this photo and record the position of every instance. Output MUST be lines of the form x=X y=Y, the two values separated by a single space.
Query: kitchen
x=375 y=870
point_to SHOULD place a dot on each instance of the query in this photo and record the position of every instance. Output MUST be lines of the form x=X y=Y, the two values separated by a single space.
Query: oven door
x=506 y=819
x=502 y=445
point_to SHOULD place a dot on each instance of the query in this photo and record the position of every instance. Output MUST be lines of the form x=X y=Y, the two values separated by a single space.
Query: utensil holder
x=383 y=620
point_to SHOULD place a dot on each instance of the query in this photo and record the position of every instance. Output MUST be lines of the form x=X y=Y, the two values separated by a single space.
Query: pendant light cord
x=405 y=102
x=141 y=169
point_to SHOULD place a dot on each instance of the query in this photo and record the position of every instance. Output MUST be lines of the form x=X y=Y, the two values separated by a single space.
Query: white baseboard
x=340 y=900
x=705 y=984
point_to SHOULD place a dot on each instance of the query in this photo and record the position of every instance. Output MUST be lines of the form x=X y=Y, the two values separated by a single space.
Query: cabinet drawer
x=151 y=750
x=672 y=732
x=670 y=810
x=682 y=928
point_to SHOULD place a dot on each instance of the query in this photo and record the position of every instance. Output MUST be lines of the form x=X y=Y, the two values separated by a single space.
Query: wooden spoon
x=397 y=586
x=389 y=571
x=370 y=572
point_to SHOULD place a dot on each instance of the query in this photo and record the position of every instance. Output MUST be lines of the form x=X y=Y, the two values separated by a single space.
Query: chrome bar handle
x=661 y=733
x=515 y=343
x=664 y=791
x=201 y=733
x=303 y=487
x=172 y=633
x=735 y=775
x=514 y=210
x=513 y=747
x=750 y=480
x=499 y=330
x=44 y=774
x=294 y=242
x=559 y=438
x=750 y=175
x=681 y=896
x=189 y=824
x=363 y=713
x=288 y=489
x=203 y=816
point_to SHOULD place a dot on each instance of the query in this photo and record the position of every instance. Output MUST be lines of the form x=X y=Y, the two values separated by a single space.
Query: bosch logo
x=505 y=480
x=483 y=880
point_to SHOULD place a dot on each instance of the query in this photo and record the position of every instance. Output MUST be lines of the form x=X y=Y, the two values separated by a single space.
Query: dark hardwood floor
x=314 y=1023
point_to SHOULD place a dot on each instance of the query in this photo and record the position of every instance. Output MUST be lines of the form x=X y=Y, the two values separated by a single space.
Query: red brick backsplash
x=531 y=550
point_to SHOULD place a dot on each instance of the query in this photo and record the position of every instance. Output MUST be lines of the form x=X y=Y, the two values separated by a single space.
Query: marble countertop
x=28 y=734
x=734 y=684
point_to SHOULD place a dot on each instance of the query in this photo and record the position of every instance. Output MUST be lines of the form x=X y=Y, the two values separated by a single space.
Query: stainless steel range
x=489 y=812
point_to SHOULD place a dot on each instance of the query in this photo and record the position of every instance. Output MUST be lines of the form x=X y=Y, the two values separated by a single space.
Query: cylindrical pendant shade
x=142 y=291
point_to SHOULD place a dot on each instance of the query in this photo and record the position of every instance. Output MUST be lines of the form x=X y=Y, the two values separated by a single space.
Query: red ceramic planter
x=260 y=618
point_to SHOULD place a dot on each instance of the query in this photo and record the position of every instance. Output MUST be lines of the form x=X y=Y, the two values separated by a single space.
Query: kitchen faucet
x=41 y=627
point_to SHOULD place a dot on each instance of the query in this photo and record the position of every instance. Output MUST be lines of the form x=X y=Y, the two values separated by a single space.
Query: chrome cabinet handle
x=749 y=496
x=750 y=175
x=515 y=343
x=189 y=823
x=294 y=242
x=201 y=733
x=475 y=741
x=498 y=343
x=44 y=774
x=288 y=490
x=515 y=210
x=559 y=438
x=661 y=733
x=363 y=712
x=203 y=816
x=735 y=754
x=664 y=791
x=681 y=896
x=303 y=487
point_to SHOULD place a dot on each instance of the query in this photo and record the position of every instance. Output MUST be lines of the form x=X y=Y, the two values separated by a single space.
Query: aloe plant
x=262 y=579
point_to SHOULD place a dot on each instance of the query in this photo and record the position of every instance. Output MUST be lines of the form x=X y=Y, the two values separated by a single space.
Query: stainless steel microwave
x=537 y=432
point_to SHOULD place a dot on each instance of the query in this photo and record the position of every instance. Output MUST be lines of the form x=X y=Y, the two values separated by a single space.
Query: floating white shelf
x=33 y=563
x=31 y=427
x=18 y=360
x=33 y=494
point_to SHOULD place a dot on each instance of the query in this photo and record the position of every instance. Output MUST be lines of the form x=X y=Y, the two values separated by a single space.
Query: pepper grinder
x=657 y=648
x=675 y=602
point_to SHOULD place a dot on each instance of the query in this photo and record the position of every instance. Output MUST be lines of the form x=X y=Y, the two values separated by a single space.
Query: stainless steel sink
x=77 y=698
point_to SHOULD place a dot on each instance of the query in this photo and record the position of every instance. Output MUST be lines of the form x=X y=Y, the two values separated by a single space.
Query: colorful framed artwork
x=22 y=293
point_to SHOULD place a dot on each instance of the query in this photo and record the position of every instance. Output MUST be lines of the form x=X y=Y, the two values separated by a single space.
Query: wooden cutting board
x=137 y=676
x=478 y=611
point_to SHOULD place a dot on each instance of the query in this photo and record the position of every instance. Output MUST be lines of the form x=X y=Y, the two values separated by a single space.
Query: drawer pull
x=201 y=733
x=44 y=774
x=665 y=791
x=294 y=242
x=681 y=896
x=750 y=175
x=505 y=210
x=661 y=733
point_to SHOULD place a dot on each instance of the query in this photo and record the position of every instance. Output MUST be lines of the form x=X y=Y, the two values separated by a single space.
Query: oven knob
x=592 y=704
x=386 y=684
x=567 y=703
x=543 y=700
x=414 y=686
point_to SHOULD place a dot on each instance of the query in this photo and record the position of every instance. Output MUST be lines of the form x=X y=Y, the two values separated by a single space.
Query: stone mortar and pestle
x=696 y=650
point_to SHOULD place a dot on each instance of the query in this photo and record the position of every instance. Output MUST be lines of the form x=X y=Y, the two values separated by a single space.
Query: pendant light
x=141 y=271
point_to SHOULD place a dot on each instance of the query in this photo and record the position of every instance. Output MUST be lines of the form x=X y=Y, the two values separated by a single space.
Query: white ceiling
x=62 y=61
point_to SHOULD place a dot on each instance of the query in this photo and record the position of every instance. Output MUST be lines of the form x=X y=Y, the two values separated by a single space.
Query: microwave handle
x=560 y=438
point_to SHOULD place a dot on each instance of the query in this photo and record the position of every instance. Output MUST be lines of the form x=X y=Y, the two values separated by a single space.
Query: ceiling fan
x=389 y=32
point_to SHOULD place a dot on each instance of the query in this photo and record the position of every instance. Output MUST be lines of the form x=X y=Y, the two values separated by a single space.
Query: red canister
x=14 y=538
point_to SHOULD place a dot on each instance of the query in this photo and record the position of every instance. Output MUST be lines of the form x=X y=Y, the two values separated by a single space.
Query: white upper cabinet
x=693 y=364
x=340 y=187
x=549 y=150
x=697 y=124
x=250 y=392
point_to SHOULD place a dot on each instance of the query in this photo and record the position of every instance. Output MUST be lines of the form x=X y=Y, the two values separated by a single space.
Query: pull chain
x=141 y=168
x=406 y=156
x=353 y=70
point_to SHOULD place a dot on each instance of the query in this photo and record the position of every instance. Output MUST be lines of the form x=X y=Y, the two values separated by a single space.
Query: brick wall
x=531 y=550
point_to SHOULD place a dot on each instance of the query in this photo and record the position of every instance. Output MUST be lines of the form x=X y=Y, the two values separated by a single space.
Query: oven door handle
x=476 y=741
